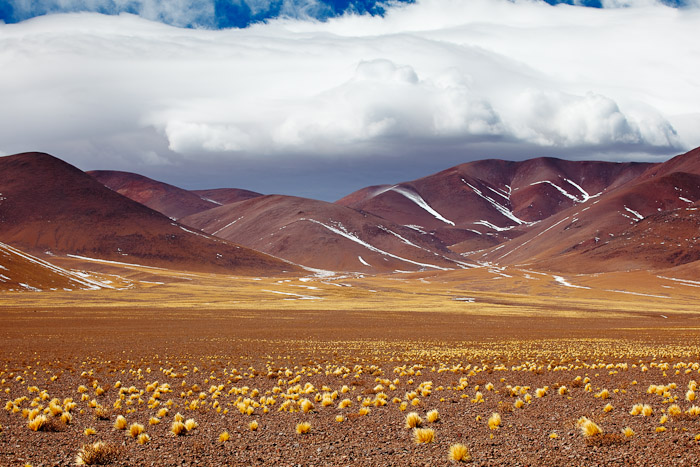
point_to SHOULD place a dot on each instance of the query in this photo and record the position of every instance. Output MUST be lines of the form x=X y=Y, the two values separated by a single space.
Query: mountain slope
x=649 y=222
x=324 y=235
x=226 y=195
x=48 y=204
x=20 y=271
x=167 y=199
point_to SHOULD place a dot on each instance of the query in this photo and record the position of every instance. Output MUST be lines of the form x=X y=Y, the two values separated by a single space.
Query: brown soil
x=533 y=340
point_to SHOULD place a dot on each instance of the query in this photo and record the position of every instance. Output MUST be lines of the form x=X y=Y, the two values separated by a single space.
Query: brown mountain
x=325 y=235
x=484 y=203
x=649 y=222
x=167 y=199
x=226 y=195
x=49 y=205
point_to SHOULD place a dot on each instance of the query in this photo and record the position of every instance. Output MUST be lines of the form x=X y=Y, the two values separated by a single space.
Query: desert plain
x=244 y=362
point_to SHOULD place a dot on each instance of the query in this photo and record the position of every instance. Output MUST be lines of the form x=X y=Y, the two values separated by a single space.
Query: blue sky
x=219 y=14
x=319 y=99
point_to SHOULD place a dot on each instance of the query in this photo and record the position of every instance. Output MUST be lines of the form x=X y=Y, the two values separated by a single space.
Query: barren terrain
x=225 y=351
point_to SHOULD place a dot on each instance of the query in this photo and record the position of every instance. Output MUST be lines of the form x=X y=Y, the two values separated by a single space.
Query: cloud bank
x=438 y=80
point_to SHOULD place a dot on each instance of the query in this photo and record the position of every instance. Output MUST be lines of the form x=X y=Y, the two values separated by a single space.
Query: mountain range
x=545 y=213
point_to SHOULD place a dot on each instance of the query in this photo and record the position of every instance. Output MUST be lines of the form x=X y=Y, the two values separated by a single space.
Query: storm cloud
x=427 y=85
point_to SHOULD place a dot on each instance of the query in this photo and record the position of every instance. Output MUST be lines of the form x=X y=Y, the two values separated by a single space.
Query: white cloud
x=439 y=71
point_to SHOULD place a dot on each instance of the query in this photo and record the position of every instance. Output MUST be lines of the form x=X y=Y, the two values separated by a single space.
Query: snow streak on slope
x=499 y=207
x=560 y=189
x=86 y=282
x=416 y=198
x=355 y=239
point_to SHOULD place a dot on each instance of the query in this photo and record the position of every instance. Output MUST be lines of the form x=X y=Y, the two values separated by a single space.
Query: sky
x=319 y=98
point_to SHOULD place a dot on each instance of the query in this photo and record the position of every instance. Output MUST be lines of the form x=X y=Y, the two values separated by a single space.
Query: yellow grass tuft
x=413 y=420
x=98 y=453
x=339 y=418
x=136 y=429
x=647 y=410
x=38 y=423
x=306 y=405
x=608 y=408
x=90 y=432
x=344 y=403
x=303 y=428
x=494 y=421
x=674 y=410
x=518 y=403
x=423 y=435
x=433 y=416
x=364 y=411
x=553 y=436
x=179 y=417
x=143 y=438
x=66 y=418
x=563 y=390
x=690 y=395
x=459 y=453
x=660 y=429
x=120 y=423
x=253 y=426
x=153 y=421
x=636 y=409
x=223 y=437
x=589 y=427
x=190 y=424
x=178 y=428
x=628 y=432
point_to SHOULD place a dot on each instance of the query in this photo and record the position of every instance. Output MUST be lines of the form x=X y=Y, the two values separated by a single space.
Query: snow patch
x=227 y=225
x=634 y=213
x=566 y=283
x=416 y=198
x=364 y=262
x=499 y=207
x=298 y=297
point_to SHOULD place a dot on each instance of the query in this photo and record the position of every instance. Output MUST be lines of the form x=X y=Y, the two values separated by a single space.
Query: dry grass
x=432 y=416
x=223 y=437
x=589 y=428
x=120 y=423
x=494 y=421
x=136 y=429
x=99 y=453
x=459 y=453
x=178 y=428
x=303 y=428
x=413 y=420
x=423 y=435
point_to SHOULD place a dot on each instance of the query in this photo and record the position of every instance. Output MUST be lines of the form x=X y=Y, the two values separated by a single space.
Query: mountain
x=226 y=195
x=480 y=204
x=648 y=222
x=167 y=199
x=325 y=235
x=49 y=205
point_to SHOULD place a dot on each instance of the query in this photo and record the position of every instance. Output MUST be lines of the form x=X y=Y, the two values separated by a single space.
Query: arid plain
x=245 y=361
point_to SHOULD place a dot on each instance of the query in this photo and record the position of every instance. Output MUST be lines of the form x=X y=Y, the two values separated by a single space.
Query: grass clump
x=143 y=438
x=433 y=416
x=494 y=421
x=413 y=420
x=99 y=453
x=136 y=429
x=589 y=428
x=223 y=437
x=423 y=435
x=303 y=428
x=253 y=426
x=178 y=428
x=459 y=453
x=120 y=423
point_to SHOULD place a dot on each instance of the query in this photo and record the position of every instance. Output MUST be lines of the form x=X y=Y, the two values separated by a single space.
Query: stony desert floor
x=244 y=361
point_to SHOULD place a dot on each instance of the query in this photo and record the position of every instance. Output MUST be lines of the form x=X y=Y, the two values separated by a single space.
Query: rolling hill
x=49 y=205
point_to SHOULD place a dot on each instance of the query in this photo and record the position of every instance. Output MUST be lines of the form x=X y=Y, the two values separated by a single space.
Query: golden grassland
x=485 y=366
